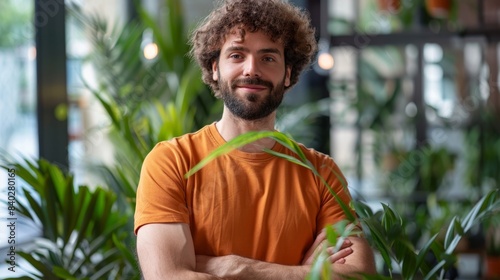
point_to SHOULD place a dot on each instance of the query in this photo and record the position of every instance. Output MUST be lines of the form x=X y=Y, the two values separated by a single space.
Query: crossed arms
x=166 y=251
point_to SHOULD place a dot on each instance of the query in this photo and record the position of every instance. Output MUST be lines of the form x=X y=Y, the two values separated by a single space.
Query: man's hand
x=335 y=257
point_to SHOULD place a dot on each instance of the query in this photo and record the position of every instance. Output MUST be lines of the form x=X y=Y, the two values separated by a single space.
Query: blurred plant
x=404 y=15
x=483 y=150
x=87 y=234
x=492 y=229
x=15 y=23
x=81 y=229
x=146 y=100
x=297 y=120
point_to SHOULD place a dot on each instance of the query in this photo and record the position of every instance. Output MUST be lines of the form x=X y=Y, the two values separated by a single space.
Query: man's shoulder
x=313 y=154
x=321 y=161
x=185 y=144
x=188 y=140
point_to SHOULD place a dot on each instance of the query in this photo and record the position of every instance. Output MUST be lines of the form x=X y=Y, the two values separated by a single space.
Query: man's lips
x=252 y=84
x=251 y=87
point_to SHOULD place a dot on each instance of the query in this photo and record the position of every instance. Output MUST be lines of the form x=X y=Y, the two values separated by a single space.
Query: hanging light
x=148 y=47
x=32 y=53
x=325 y=61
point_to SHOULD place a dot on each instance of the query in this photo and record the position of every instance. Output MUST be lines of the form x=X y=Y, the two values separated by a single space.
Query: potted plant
x=441 y=14
x=492 y=257
x=439 y=8
x=389 y=5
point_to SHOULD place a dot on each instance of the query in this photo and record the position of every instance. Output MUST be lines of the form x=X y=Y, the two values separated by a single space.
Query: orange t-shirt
x=254 y=205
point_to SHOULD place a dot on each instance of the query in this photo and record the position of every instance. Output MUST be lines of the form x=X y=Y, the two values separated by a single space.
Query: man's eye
x=235 y=56
x=269 y=59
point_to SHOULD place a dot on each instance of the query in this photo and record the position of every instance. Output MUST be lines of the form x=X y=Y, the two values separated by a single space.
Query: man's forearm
x=237 y=267
x=189 y=275
x=252 y=269
x=158 y=271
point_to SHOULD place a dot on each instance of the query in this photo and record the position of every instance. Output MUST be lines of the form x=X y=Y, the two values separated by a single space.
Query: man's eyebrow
x=261 y=51
x=270 y=50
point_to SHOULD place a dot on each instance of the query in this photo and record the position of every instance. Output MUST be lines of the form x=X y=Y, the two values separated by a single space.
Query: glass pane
x=18 y=126
x=17 y=79
x=370 y=92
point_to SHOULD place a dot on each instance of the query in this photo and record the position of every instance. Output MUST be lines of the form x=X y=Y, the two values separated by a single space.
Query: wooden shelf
x=361 y=40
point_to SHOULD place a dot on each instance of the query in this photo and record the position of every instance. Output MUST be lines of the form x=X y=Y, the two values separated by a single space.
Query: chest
x=263 y=196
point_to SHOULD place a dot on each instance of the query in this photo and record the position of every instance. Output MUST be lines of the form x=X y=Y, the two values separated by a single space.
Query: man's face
x=251 y=74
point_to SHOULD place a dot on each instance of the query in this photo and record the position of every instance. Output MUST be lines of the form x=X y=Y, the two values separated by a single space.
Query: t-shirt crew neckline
x=219 y=141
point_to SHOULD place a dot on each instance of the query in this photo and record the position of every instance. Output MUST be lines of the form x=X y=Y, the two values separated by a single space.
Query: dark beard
x=255 y=106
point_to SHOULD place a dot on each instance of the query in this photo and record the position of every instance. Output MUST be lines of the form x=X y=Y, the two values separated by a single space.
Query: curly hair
x=279 y=20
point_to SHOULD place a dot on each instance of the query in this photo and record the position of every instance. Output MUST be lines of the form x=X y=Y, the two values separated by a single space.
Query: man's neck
x=231 y=126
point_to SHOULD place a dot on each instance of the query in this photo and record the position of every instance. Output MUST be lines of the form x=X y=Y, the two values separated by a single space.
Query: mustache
x=251 y=81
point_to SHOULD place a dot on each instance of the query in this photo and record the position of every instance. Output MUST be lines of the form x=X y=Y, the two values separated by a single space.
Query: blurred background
x=404 y=95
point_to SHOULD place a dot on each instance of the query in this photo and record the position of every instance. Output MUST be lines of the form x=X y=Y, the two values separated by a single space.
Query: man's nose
x=251 y=67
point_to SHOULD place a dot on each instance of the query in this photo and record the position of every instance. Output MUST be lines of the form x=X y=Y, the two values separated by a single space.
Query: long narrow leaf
x=239 y=141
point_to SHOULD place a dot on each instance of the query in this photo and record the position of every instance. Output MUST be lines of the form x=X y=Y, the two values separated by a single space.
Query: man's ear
x=288 y=73
x=215 y=75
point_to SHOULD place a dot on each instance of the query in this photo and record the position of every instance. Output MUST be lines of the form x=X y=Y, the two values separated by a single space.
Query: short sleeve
x=331 y=211
x=161 y=194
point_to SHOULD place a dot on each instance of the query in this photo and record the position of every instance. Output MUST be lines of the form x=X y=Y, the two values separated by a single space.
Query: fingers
x=335 y=256
x=320 y=238
x=344 y=251
x=339 y=256
x=346 y=243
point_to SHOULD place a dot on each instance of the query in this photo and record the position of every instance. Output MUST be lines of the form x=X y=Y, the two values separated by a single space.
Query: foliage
x=429 y=164
x=492 y=229
x=15 y=23
x=81 y=229
x=404 y=15
x=146 y=101
x=483 y=149
x=298 y=120
x=88 y=233
x=385 y=229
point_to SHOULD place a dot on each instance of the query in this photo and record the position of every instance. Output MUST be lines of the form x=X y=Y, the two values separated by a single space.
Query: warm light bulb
x=150 y=51
x=31 y=53
x=325 y=61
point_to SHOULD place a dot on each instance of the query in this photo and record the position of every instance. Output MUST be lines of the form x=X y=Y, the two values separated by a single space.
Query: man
x=247 y=214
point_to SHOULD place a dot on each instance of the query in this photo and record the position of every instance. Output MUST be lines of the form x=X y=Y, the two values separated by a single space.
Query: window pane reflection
x=18 y=127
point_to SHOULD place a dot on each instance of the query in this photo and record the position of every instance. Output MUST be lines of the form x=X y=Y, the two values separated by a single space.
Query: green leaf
x=450 y=233
x=422 y=254
x=288 y=158
x=38 y=265
x=70 y=217
x=435 y=270
x=63 y=273
x=239 y=141
x=290 y=144
x=331 y=235
x=35 y=207
x=409 y=266
x=125 y=251
x=318 y=270
x=378 y=239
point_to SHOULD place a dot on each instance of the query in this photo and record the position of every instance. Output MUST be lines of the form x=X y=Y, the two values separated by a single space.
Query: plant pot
x=438 y=8
x=492 y=267
x=390 y=6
